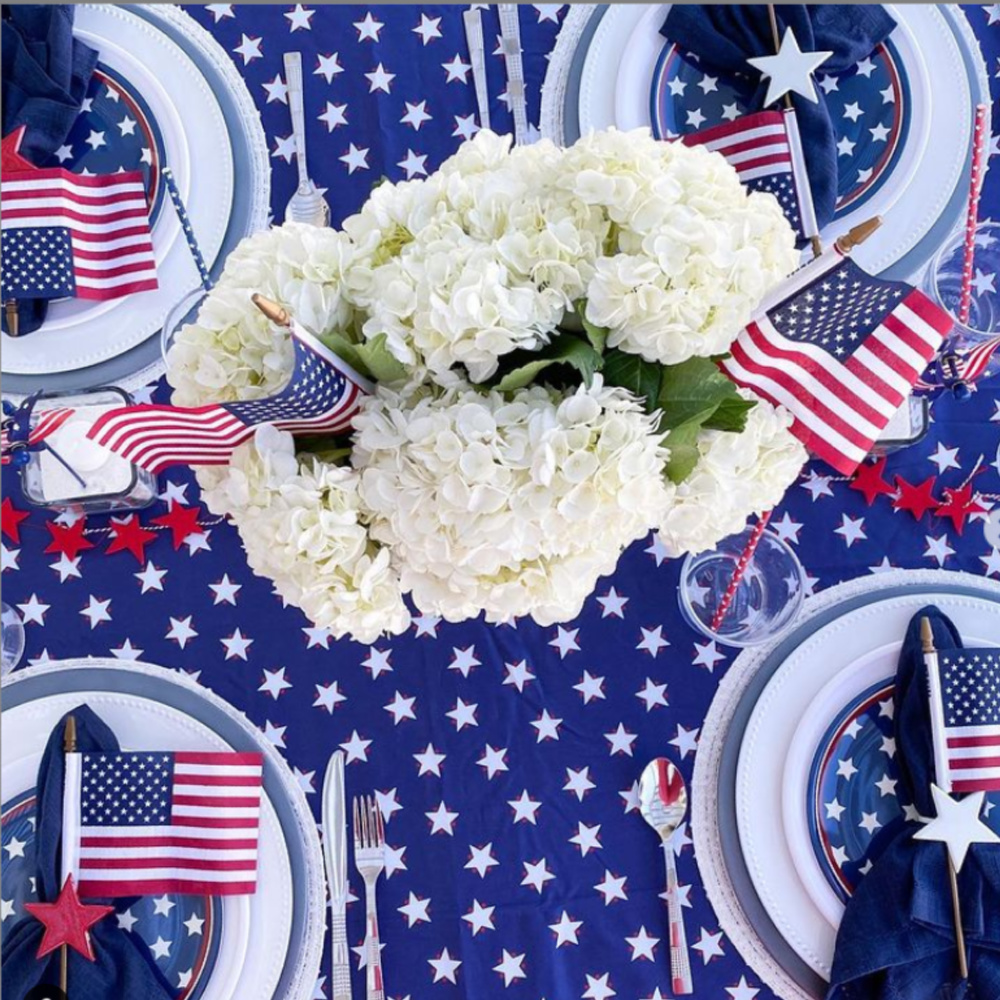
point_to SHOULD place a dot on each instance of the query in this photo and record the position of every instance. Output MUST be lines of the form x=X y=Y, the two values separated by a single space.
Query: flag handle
x=13 y=320
x=943 y=776
x=69 y=746
x=815 y=243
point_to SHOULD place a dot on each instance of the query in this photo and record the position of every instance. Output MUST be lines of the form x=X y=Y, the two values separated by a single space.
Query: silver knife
x=335 y=853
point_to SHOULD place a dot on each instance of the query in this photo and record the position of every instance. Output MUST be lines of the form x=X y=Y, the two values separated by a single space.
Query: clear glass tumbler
x=766 y=600
x=943 y=284
x=12 y=635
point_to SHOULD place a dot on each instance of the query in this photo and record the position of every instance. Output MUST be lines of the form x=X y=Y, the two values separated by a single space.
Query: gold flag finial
x=856 y=236
x=274 y=312
x=927 y=635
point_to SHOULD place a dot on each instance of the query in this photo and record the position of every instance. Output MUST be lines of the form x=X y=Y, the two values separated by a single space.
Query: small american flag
x=841 y=350
x=321 y=397
x=13 y=430
x=67 y=234
x=970 y=696
x=766 y=151
x=142 y=823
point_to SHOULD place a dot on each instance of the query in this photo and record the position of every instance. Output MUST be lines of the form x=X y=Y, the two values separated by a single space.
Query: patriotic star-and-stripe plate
x=797 y=753
x=251 y=947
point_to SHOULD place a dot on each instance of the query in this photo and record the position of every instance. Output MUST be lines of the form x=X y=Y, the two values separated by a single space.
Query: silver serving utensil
x=307 y=204
x=663 y=801
x=335 y=855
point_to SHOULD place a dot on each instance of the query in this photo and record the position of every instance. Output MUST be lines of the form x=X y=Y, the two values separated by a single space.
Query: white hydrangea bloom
x=509 y=506
x=302 y=525
x=232 y=351
x=736 y=476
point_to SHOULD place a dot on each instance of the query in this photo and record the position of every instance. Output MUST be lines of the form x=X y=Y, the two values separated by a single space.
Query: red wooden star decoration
x=868 y=480
x=67 y=921
x=129 y=536
x=68 y=539
x=10 y=520
x=11 y=160
x=182 y=522
x=958 y=505
x=916 y=499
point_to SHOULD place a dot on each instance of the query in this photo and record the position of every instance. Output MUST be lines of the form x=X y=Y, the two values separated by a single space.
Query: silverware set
x=369 y=859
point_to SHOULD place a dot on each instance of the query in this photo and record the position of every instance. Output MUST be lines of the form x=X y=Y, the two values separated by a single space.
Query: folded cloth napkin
x=124 y=966
x=897 y=938
x=45 y=75
x=726 y=35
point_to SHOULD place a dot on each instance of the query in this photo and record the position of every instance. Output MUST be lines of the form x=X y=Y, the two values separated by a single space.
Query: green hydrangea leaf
x=683 y=444
x=347 y=350
x=523 y=367
x=380 y=362
x=629 y=371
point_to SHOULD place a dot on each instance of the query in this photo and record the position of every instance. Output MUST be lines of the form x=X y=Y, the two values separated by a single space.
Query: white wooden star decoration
x=957 y=824
x=790 y=70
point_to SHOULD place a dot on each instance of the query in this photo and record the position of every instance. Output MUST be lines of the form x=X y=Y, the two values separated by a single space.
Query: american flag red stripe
x=840 y=406
x=107 y=218
x=755 y=145
x=974 y=758
x=200 y=835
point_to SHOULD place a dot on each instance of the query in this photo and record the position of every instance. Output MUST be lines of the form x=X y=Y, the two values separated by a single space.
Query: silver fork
x=369 y=859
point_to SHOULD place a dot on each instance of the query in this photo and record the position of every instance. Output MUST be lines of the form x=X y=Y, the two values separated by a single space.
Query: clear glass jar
x=74 y=474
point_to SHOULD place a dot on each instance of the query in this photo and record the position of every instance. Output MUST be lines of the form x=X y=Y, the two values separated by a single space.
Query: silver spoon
x=307 y=204
x=663 y=801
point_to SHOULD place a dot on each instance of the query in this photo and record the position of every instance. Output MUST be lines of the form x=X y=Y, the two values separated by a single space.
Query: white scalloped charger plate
x=627 y=44
x=78 y=333
x=785 y=727
x=256 y=929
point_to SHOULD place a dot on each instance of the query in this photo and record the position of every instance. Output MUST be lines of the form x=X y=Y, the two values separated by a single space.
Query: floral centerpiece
x=542 y=325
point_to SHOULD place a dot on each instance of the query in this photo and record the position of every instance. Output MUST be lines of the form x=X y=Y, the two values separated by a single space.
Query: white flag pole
x=942 y=773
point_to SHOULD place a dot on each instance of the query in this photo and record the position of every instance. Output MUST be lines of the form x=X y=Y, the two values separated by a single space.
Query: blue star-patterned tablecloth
x=505 y=759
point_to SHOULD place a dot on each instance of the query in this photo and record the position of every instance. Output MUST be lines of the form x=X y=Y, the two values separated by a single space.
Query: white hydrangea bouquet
x=541 y=324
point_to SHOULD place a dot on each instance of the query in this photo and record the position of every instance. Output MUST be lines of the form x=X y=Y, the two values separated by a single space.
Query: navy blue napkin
x=726 y=35
x=897 y=939
x=45 y=75
x=46 y=72
x=124 y=967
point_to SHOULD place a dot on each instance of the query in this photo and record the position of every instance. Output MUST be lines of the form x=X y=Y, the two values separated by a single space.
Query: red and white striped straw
x=741 y=567
x=972 y=212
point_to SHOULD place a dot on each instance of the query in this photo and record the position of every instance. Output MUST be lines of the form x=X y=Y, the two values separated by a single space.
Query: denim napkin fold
x=897 y=939
x=124 y=967
x=45 y=74
x=724 y=36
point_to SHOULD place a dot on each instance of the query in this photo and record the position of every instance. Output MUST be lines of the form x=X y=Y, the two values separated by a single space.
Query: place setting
x=500 y=500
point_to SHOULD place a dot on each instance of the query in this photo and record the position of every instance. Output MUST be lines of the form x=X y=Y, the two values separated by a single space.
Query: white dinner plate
x=78 y=333
x=626 y=46
x=836 y=662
